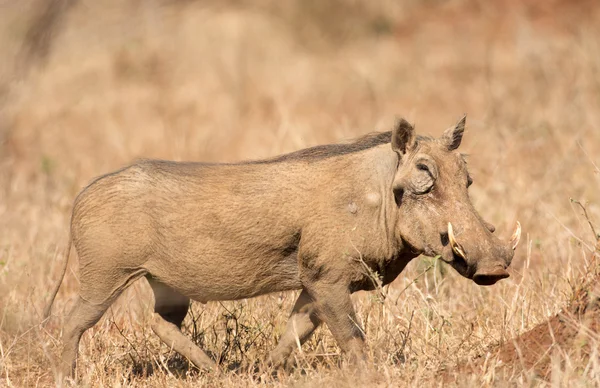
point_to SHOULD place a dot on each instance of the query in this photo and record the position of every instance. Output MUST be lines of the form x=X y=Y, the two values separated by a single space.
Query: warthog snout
x=488 y=270
x=488 y=278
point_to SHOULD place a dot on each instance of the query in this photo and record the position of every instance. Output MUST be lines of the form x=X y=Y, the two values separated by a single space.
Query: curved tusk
x=514 y=240
x=456 y=248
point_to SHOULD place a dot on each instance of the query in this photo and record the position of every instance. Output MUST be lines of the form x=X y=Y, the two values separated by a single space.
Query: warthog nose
x=487 y=278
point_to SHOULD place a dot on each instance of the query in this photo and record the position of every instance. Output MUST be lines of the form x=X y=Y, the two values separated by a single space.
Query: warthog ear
x=403 y=137
x=453 y=135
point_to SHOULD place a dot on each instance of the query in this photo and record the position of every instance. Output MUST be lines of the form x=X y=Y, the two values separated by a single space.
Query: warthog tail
x=62 y=276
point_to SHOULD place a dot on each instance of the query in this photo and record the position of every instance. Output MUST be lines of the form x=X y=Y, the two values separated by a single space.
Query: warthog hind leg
x=302 y=323
x=83 y=315
x=170 y=308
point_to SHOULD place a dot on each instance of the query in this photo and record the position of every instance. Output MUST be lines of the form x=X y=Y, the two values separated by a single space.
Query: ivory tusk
x=514 y=240
x=456 y=248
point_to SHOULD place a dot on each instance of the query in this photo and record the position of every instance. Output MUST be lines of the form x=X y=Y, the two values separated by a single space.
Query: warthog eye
x=423 y=167
x=469 y=181
x=423 y=180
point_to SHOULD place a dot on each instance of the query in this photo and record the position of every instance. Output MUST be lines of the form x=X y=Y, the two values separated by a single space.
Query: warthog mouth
x=491 y=274
x=490 y=278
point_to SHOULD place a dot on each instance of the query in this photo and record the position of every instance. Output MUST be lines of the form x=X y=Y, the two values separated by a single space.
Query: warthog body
x=312 y=220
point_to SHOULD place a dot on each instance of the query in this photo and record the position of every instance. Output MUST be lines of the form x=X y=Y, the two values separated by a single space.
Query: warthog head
x=436 y=216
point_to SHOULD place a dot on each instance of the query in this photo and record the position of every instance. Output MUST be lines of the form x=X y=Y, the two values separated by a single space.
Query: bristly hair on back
x=326 y=151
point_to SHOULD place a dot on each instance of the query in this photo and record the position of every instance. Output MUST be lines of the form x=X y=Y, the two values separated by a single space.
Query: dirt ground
x=571 y=334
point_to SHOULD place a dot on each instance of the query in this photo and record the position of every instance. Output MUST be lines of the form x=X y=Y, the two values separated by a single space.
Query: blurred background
x=89 y=86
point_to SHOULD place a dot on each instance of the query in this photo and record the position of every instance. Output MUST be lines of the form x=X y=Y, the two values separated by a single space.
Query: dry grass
x=224 y=81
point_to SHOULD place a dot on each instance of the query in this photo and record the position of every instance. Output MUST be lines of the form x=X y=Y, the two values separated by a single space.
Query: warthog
x=312 y=220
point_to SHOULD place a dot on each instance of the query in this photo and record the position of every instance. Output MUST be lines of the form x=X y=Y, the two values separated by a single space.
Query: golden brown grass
x=224 y=81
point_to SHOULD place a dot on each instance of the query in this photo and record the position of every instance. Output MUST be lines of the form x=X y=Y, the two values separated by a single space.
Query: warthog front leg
x=302 y=323
x=334 y=307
